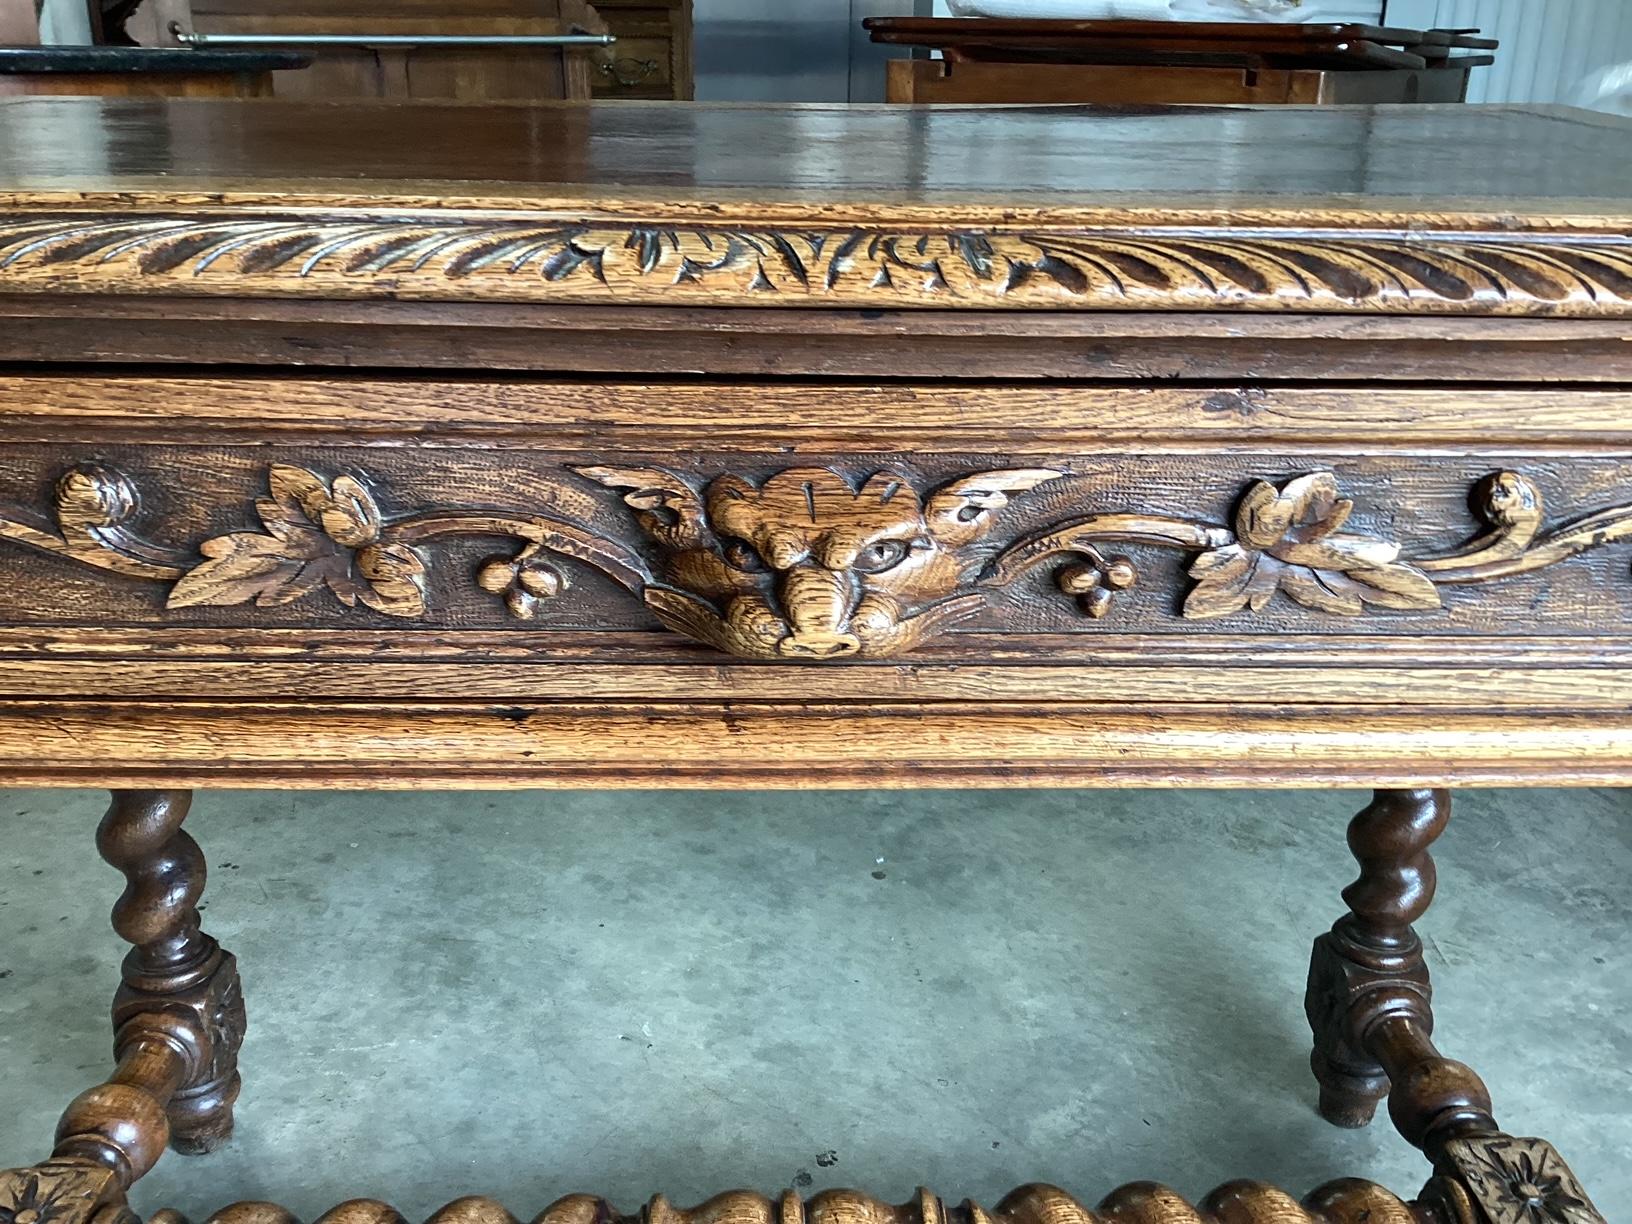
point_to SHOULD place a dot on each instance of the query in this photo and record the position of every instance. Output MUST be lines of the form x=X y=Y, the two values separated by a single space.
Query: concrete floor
x=526 y=995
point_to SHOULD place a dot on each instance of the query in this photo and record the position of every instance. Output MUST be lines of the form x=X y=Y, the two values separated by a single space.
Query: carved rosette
x=1516 y=1181
x=62 y=1192
x=810 y=563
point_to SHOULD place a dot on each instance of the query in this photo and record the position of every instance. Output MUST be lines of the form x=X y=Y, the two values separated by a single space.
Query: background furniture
x=653 y=55
x=502 y=68
x=138 y=72
x=1040 y=61
x=371 y=446
x=19 y=23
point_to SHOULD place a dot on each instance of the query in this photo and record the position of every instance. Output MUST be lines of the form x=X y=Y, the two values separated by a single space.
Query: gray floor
x=624 y=993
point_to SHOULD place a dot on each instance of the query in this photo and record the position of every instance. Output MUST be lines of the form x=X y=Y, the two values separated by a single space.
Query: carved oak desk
x=756 y=447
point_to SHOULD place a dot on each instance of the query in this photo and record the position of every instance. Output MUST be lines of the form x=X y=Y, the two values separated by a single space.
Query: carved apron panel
x=864 y=556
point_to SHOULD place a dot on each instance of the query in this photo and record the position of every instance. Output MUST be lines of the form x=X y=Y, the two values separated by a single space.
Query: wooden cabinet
x=652 y=57
x=466 y=74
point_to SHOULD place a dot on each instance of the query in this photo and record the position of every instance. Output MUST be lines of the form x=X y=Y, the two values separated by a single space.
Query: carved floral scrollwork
x=808 y=563
x=317 y=535
x=1291 y=540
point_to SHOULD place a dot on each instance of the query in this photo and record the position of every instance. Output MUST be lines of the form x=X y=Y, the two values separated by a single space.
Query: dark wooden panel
x=445 y=512
x=1023 y=346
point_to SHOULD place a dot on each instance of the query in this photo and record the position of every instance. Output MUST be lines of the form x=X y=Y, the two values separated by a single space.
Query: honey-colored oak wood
x=439 y=744
x=628 y=446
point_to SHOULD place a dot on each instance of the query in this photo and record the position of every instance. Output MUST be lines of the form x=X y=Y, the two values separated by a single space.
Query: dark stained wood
x=1349 y=1202
x=1022 y=347
x=978 y=82
x=1370 y=965
x=1165 y=62
x=133 y=85
x=1547 y=166
x=179 y=1015
x=1151 y=36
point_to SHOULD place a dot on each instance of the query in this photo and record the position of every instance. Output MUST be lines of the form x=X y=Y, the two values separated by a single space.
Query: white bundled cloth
x=1301 y=11
x=1609 y=89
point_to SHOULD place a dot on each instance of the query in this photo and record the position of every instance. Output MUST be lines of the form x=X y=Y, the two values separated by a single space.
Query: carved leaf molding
x=807 y=564
x=531 y=259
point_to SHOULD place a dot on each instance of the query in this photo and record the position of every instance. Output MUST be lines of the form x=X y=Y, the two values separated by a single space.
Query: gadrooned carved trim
x=1241 y=1202
x=809 y=563
x=450 y=255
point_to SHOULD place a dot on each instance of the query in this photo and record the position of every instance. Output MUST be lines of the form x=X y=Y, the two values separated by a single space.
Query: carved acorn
x=525 y=581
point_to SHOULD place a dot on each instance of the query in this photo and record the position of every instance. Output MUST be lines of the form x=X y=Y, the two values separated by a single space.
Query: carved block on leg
x=174 y=970
x=1344 y=997
x=211 y=1010
x=1497 y=1179
x=63 y=1192
x=1369 y=966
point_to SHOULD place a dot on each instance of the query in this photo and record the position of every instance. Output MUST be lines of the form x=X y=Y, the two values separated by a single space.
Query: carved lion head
x=805 y=565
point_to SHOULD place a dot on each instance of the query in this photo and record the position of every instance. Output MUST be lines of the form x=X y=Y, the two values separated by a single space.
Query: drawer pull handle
x=629 y=72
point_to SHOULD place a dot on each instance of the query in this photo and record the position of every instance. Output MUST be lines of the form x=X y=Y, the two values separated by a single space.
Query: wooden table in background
x=792 y=447
x=986 y=60
x=164 y=72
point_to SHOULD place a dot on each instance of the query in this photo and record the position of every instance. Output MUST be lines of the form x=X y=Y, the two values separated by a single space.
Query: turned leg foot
x=1346 y=1099
x=175 y=973
x=201 y=1123
x=1369 y=966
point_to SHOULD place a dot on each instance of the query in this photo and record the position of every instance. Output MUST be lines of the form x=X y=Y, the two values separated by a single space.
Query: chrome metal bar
x=192 y=38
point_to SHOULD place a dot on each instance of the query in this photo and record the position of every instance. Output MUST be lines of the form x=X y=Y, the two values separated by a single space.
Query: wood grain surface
x=1402 y=169
x=318 y=742
x=1367 y=210
x=1020 y=346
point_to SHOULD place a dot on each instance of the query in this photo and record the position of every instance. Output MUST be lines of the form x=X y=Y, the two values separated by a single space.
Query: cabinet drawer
x=1171 y=544
x=634 y=67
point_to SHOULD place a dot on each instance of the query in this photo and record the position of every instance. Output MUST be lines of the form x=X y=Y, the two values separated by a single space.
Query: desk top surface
x=1402 y=165
x=1455 y=209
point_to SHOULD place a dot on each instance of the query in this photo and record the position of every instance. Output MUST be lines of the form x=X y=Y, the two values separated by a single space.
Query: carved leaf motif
x=751 y=633
x=963 y=510
x=393 y=579
x=1093 y=268
x=1290 y=540
x=318 y=535
x=665 y=505
x=243 y=567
